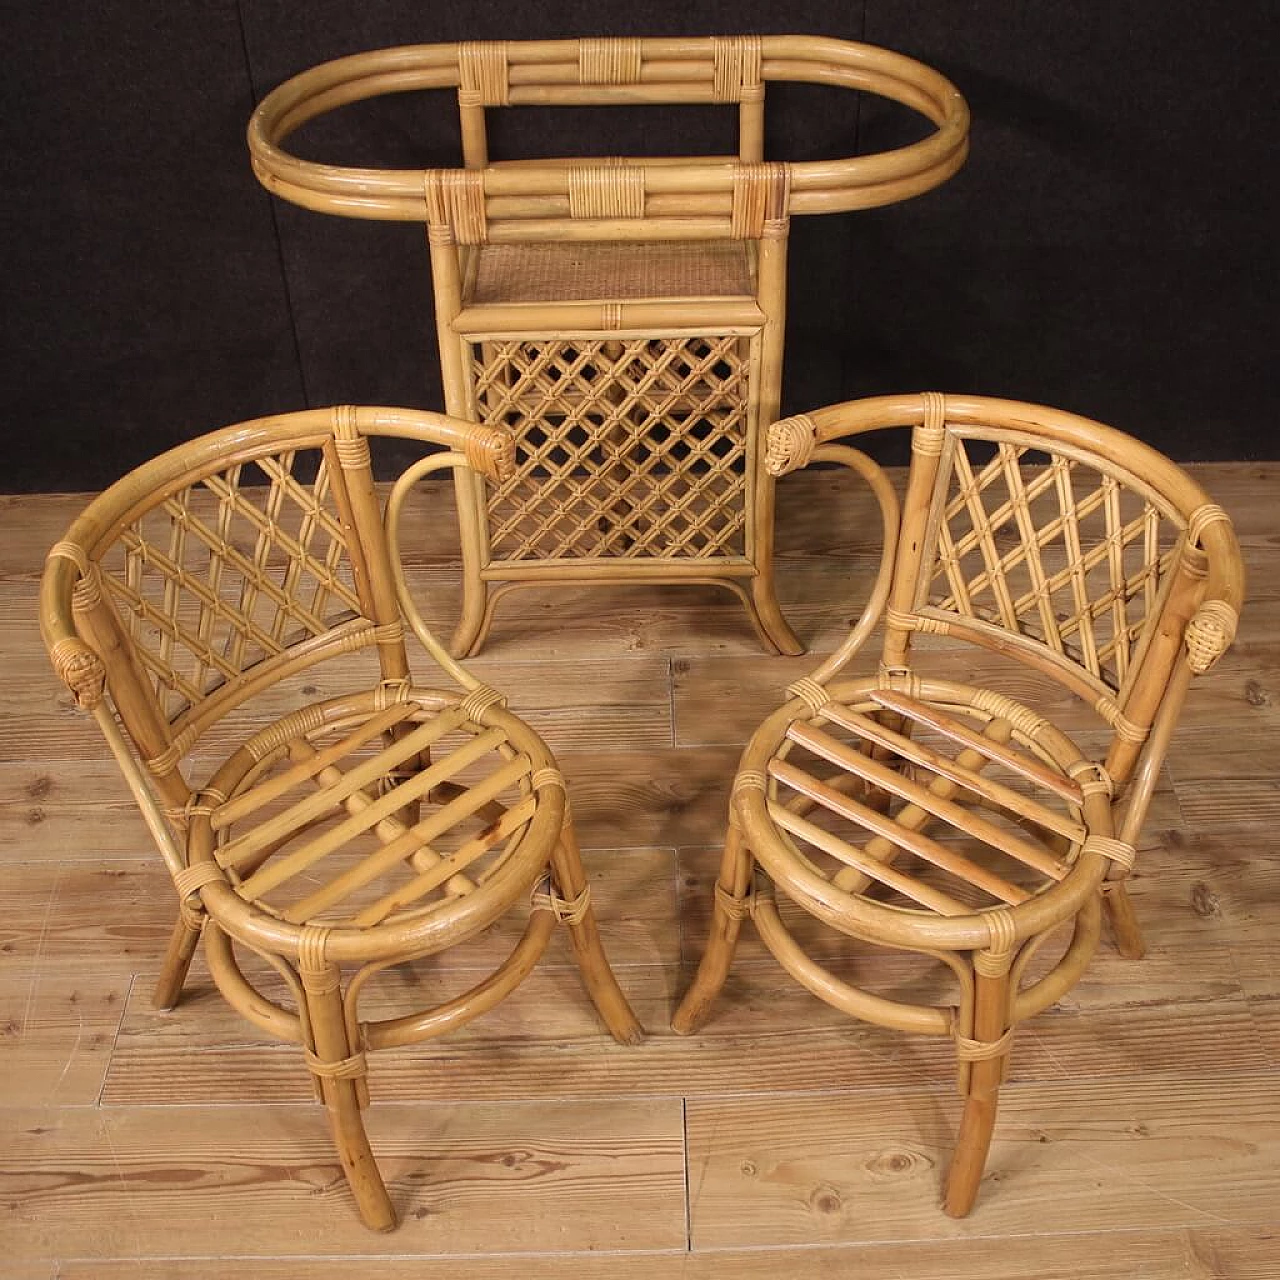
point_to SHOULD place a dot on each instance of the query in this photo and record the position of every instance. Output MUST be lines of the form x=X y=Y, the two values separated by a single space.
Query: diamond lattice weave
x=230 y=571
x=625 y=447
x=1058 y=552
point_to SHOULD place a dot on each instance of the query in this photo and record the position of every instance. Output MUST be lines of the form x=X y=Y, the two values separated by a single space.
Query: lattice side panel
x=229 y=571
x=1053 y=550
x=628 y=449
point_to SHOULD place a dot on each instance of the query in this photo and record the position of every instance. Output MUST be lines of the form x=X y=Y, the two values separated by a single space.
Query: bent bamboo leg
x=584 y=936
x=766 y=614
x=1124 y=920
x=342 y=1097
x=177 y=960
x=722 y=940
x=991 y=1022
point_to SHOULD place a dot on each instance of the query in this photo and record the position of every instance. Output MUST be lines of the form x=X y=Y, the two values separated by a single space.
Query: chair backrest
x=232 y=562
x=1053 y=539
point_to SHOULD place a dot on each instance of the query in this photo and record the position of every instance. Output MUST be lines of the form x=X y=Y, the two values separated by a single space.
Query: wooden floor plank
x=466 y=1178
x=57 y=1031
x=1211 y=1253
x=1119 y=1156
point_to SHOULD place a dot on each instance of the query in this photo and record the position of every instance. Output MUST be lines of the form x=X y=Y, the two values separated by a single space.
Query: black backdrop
x=1108 y=248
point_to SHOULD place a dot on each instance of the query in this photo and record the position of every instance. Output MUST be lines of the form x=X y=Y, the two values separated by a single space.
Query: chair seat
x=936 y=800
x=374 y=810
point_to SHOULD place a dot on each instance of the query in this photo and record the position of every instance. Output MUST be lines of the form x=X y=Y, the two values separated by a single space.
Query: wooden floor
x=1140 y=1129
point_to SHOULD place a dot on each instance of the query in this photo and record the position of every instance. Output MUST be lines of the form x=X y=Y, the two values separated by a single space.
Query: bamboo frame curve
x=143 y=488
x=672 y=70
x=1145 y=469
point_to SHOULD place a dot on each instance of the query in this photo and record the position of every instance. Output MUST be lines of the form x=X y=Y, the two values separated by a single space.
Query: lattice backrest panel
x=232 y=570
x=625 y=448
x=1047 y=547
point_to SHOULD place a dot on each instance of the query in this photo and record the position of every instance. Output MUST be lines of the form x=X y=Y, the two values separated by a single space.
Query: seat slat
x=411 y=840
x=952 y=728
x=958 y=816
x=448 y=866
x=904 y=837
x=274 y=874
x=935 y=761
x=280 y=784
x=943 y=903
x=318 y=803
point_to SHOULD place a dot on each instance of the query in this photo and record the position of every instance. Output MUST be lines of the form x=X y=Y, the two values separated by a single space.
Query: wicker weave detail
x=814 y=695
x=230 y=571
x=611 y=272
x=790 y=445
x=351 y=1068
x=455 y=199
x=1117 y=851
x=1210 y=633
x=606 y=61
x=736 y=62
x=545 y=897
x=70 y=551
x=1057 y=553
x=760 y=195
x=610 y=191
x=624 y=448
x=735 y=908
x=193 y=878
x=546 y=777
x=478 y=701
x=81 y=670
x=1092 y=778
x=927 y=438
x=749 y=780
x=982 y=1050
x=318 y=976
x=482 y=74
x=491 y=452
x=1201 y=518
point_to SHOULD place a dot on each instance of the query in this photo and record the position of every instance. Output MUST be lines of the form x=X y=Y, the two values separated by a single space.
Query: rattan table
x=623 y=315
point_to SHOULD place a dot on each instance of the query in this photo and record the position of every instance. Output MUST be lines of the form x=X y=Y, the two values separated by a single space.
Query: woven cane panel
x=609 y=272
x=230 y=571
x=1053 y=550
x=625 y=448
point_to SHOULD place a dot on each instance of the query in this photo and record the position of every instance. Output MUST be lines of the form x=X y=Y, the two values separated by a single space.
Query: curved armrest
x=792 y=445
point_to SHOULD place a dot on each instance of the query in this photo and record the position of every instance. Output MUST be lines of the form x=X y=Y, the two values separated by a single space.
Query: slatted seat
x=349 y=834
x=914 y=812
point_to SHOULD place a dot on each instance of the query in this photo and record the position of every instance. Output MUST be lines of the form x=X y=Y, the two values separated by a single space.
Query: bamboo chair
x=356 y=832
x=925 y=815
x=623 y=315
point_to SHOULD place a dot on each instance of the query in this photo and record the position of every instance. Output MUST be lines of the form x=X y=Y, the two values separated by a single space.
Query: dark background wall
x=1108 y=248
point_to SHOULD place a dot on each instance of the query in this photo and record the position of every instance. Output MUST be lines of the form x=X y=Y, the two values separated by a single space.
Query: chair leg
x=1124 y=920
x=177 y=961
x=970 y=1158
x=726 y=923
x=339 y=1072
x=473 y=624
x=584 y=937
x=768 y=618
x=985 y=1057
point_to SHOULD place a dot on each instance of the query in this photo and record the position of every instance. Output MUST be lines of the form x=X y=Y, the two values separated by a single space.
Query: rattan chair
x=623 y=315
x=925 y=815
x=371 y=827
